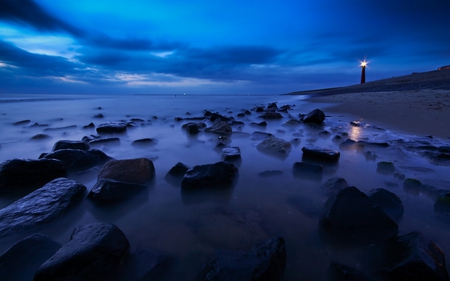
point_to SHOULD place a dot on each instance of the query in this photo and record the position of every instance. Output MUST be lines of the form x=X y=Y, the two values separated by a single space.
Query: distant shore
x=418 y=104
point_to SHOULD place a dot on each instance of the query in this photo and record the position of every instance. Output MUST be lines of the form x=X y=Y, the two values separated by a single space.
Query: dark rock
x=78 y=160
x=334 y=185
x=220 y=174
x=337 y=139
x=40 y=137
x=259 y=109
x=373 y=144
x=216 y=116
x=350 y=216
x=22 y=259
x=340 y=272
x=385 y=168
x=308 y=171
x=291 y=122
x=138 y=170
x=143 y=265
x=111 y=128
x=60 y=128
x=137 y=120
x=143 y=142
x=324 y=134
x=321 y=154
x=412 y=185
x=272 y=105
x=20 y=173
x=191 y=127
x=23 y=122
x=271 y=115
x=389 y=202
x=348 y=144
x=207 y=113
x=178 y=170
x=70 y=144
x=231 y=154
x=43 y=205
x=442 y=204
x=178 y=119
x=220 y=127
x=414 y=257
x=271 y=173
x=260 y=135
x=262 y=124
x=316 y=116
x=95 y=252
x=247 y=112
x=241 y=114
x=275 y=145
x=266 y=261
x=108 y=191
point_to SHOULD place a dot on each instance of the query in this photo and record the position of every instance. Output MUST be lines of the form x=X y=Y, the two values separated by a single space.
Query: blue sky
x=225 y=47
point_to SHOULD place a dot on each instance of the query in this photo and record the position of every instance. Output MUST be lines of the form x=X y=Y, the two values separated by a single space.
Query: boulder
x=145 y=142
x=178 y=170
x=22 y=259
x=271 y=115
x=220 y=127
x=43 y=205
x=308 y=171
x=275 y=145
x=385 y=168
x=334 y=185
x=138 y=170
x=265 y=261
x=79 y=160
x=95 y=251
x=389 y=202
x=414 y=257
x=70 y=144
x=110 y=191
x=142 y=265
x=20 y=173
x=321 y=154
x=231 y=154
x=111 y=128
x=316 y=116
x=412 y=185
x=220 y=174
x=350 y=216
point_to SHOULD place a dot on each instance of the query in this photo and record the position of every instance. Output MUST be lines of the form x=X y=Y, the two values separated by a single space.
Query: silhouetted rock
x=334 y=185
x=350 y=216
x=112 y=127
x=22 y=259
x=292 y=122
x=385 y=167
x=70 y=144
x=193 y=128
x=20 y=173
x=264 y=262
x=388 y=201
x=78 y=160
x=144 y=142
x=220 y=174
x=316 y=116
x=108 y=191
x=99 y=115
x=308 y=171
x=320 y=154
x=142 y=265
x=231 y=154
x=43 y=205
x=275 y=145
x=88 y=126
x=414 y=257
x=271 y=115
x=95 y=252
x=138 y=170
x=220 y=127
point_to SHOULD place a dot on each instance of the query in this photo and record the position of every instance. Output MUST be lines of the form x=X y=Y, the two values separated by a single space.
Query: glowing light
x=363 y=64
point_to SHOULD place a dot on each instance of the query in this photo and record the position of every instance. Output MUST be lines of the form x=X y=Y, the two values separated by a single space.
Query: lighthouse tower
x=363 y=72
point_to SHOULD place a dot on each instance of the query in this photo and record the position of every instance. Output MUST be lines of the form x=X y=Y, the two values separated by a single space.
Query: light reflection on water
x=190 y=227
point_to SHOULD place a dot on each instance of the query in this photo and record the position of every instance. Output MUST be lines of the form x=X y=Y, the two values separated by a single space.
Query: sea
x=188 y=229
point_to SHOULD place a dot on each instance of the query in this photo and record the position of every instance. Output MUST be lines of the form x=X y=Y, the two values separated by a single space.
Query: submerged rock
x=70 y=144
x=40 y=137
x=178 y=170
x=22 y=259
x=231 y=154
x=43 y=205
x=220 y=174
x=95 y=252
x=334 y=185
x=412 y=185
x=266 y=261
x=316 y=116
x=78 y=160
x=321 y=154
x=20 y=173
x=385 y=168
x=138 y=170
x=389 y=202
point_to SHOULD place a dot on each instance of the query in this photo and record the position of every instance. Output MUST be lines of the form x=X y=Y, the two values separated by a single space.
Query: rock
x=266 y=261
x=389 y=202
x=271 y=173
x=43 y=205
x=350 y=216
x=272 y=106
x=321 y=154
x=22 y=259
x=60 y=128
x=220 y=127
x=308 y=171
x=241 y=114
x=261 y=124
x=70 y=144
x=78 y=160
x=348 y=144
x=138 y=170
x=340 y=272
x=271 y=115
x=40 y=137
x=111 y=128
x=20 y=173
x=95 y=252
x=373 y=144
x=217 y=116
x=207 y=113
x=291 y=122
x=442 y=205
x=108 y=191
x=247 y=112
x=256 y=135
x=144 y=142
x=143 y=265
x=110 y=141
x=178 y=170
x=22 y=122
x=334 y=185
x=259 y=108
x=316 y=116
x=412 y=185
x=414 y=257
x=191 y=127
x=275 y=145
x=137 y=120
x=231 y=154
x=385 y=168
x=99 y=115
x=217 y=175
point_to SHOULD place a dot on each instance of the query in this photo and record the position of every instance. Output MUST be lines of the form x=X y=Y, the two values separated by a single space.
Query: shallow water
x=190 y=227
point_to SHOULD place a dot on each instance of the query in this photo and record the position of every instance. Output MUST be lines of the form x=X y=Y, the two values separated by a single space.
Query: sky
x=215 y=47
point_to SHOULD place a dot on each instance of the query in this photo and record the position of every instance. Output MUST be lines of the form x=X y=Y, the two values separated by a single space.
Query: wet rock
x=262 y=124
x=207 y=113
x=40 y=137
x=308 y=171
x=260 y=135
x=340 y=272
x=143 y=265
x=316 y=116
x=438 y=158
x=271 y=173
x=414 y=257
x=22 y=259
x=111 y=128
x=20 y=173
x=266 y=261
x=191 y=128
x=259 y=109
x=272 y=106
x=95 y=252
x=138 y=170
x=109 y=191
x=275 y=145
x=271 y=115
x=145 y=142
x=231 y=154
x=334 y=185
x=385 y=168
x=389 y=202
x=70 y=144
x=247 y=112
x=220 y=174
x=78 y=160
x=321 y=154
x=43 y=205
x=351 y=217
x=137 y=120
x=178 y=170
x=220 y=127
x=412 y=185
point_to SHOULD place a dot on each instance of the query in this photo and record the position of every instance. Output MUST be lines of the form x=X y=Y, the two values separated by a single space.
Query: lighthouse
x=363 y=72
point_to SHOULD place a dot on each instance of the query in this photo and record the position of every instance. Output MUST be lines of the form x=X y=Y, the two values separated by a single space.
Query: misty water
x=189 y=228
